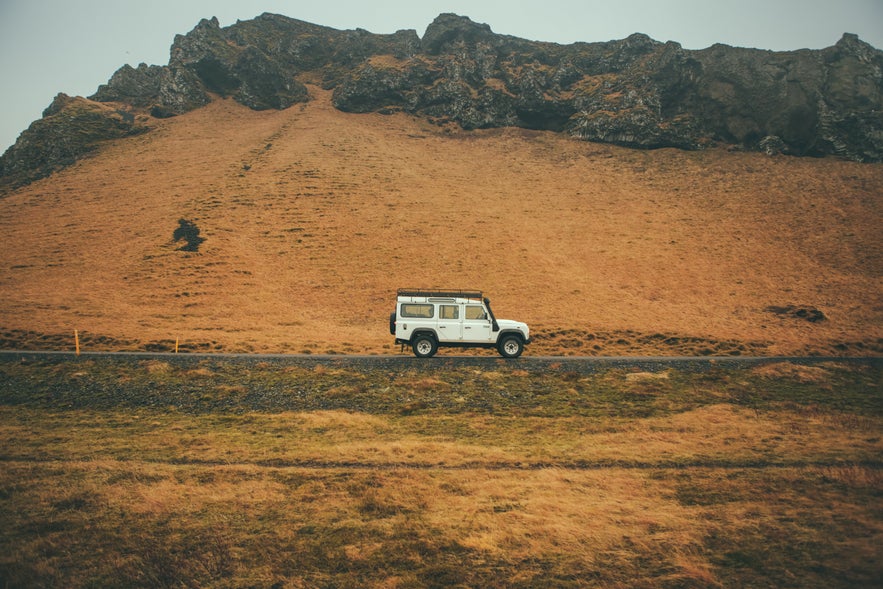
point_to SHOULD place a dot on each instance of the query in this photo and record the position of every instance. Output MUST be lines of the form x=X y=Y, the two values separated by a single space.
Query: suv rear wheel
x=424 y=346
x=510 y=346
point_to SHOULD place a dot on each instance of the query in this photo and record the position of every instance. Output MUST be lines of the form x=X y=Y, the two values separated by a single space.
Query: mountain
x=636 y=92
x=240 y=225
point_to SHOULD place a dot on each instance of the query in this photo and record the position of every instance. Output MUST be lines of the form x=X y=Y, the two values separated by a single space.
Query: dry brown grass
x=405 y=527
x=575 y=523
x=796 y=371
x=711 y=435
x=313 y=218
x=118 y=473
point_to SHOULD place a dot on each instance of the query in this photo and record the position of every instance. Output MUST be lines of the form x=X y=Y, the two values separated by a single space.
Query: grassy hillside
x=311 y=218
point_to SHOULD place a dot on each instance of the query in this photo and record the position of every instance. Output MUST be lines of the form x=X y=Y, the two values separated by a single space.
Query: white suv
x=427 y=319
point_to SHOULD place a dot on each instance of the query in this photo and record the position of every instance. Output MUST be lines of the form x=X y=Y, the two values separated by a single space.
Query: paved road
x=586 y=364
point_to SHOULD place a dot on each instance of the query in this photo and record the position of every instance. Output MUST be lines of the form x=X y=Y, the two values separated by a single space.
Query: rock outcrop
x=71 y=128
x=635 y=92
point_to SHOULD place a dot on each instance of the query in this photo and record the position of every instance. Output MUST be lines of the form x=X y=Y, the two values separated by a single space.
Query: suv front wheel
x=510 y=346
x=424 y=346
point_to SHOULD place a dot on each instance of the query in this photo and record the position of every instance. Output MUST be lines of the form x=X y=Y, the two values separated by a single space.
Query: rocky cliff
x=635 y=92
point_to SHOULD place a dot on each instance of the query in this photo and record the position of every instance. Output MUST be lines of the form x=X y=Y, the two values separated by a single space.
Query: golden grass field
x=312 y=219
x=205 y=473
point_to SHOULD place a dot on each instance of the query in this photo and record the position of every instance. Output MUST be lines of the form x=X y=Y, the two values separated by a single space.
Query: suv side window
x=417 y=310
x=449 y=312
x=475 y=312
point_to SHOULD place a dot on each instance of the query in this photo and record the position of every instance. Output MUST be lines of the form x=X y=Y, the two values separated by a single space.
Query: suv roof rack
x=434 y=292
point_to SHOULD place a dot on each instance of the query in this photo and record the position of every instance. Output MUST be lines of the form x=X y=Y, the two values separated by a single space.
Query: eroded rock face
x=816 y=102
x=70 y=129
x=635 y=92
x=163 y=90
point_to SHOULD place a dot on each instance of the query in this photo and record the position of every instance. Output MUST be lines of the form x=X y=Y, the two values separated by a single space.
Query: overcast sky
x=73 y=46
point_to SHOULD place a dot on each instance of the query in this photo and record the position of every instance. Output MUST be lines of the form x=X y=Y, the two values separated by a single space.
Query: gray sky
x=73 y=46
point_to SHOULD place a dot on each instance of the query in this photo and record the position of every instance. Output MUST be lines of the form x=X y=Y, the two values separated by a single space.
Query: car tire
x=392 y=324
x=510 y=346
x=424 y=346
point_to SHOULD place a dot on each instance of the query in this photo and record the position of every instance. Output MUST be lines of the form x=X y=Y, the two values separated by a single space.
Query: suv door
x=477 y=325
x=450 y=325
